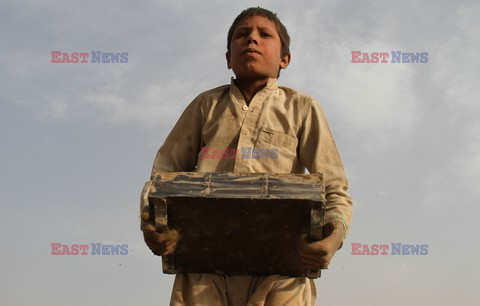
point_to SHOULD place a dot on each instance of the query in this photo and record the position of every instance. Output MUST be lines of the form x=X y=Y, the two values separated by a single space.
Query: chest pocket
x=282 y=148
x=278 y=138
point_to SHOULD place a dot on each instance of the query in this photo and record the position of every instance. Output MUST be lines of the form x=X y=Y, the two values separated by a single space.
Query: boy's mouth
x=251 y=51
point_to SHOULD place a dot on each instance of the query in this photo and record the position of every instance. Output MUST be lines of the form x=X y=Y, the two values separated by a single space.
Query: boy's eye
x=264 y=34
x=241 y=34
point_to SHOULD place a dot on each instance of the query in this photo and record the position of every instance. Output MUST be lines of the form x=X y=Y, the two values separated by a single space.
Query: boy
x=254 y=112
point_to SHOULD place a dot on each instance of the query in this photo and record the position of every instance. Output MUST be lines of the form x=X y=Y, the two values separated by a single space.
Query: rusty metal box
x=238 y=223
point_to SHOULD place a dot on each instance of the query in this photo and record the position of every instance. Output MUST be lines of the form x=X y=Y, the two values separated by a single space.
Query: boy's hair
x=258 y=11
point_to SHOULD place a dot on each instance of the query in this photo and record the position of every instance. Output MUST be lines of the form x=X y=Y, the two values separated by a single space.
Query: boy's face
x=255 y=50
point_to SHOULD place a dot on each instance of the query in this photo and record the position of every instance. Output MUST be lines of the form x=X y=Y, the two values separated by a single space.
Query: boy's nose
x=252 y=39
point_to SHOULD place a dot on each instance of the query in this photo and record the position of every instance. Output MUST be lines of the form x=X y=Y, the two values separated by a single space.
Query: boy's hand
x=317 y=255
x=160 y=244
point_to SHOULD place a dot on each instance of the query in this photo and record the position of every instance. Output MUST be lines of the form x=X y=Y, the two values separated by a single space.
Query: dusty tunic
x=280 y=131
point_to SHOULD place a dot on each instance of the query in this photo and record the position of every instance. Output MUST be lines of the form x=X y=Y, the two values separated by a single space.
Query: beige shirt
x=280 y=131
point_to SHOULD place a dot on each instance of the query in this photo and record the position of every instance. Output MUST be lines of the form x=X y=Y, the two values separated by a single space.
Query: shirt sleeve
x=319 y=154
x=180 y=150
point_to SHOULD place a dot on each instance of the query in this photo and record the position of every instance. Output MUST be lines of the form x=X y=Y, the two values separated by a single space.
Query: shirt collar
x=272 y=83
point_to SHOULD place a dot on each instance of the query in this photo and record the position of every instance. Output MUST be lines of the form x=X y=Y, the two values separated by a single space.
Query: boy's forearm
x=144 y=201
x=339 y=207
x=319 y=154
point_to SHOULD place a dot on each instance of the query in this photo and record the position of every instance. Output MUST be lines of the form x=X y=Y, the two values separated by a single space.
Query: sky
x=77 y=141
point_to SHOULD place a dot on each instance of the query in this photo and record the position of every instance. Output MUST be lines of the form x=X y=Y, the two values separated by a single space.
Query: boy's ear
x=227 y=55
x=285 y=60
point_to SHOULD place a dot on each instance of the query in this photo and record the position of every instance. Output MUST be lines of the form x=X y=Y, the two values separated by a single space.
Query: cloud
x=168 y=63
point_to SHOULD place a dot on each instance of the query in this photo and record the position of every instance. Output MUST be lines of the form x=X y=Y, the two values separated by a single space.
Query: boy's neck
x=248 y=87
